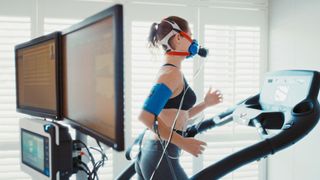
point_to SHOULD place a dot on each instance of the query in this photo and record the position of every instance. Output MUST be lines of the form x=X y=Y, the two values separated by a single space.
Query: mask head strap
x=175 y=30
x=186 y=36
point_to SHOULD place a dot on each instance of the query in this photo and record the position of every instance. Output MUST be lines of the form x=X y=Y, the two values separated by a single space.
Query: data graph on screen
x=36 y=69
x=37 y=76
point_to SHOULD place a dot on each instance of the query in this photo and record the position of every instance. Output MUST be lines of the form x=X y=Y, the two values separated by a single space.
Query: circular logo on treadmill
x=281 y=93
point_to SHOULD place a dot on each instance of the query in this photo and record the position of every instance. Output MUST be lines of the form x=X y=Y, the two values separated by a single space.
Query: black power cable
x=80 y=165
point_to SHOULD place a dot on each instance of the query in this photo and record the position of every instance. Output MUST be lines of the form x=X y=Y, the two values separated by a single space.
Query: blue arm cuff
x=157 y=99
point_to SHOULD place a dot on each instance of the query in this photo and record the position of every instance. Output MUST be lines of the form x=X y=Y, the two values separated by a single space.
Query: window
x=57 y=24
x=13 y=30
x=233 y=68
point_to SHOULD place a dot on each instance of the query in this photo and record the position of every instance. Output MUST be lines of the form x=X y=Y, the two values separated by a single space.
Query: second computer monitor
x=93 y=76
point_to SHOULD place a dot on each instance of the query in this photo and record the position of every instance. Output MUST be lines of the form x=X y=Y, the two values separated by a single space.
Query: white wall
x=294 y=42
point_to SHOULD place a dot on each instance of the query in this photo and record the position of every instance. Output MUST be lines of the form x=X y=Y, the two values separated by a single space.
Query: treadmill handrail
x=301 y=127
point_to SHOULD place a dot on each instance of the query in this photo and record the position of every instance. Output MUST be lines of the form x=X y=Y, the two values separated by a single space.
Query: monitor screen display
x=93 y=76
x=34 y=151
x=37 y=75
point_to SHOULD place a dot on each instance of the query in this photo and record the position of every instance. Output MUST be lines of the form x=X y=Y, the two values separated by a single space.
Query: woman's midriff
x=168 y=116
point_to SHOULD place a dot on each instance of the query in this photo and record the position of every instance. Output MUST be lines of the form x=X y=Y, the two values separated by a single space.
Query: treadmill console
x=284 y=94
x=283 y=90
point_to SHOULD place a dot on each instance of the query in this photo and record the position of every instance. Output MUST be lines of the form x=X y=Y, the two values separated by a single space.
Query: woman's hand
x=193 y=146
x=213 y=98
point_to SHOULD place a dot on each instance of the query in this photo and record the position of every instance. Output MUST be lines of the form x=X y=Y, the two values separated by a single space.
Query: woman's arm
x=164 y=131
x=170 y=81
x=197 y=109
x=191 y=145
x=153 y=107
x=211 y=99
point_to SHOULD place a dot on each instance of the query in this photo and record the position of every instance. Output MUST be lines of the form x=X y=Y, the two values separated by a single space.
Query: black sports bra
x=189 y=98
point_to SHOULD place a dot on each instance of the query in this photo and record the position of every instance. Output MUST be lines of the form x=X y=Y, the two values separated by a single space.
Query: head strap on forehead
x=175 y=30
x=173 y=25
x=193 y=48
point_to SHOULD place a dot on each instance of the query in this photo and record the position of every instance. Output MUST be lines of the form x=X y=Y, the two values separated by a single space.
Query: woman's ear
x=178 y=36
x=177 y=39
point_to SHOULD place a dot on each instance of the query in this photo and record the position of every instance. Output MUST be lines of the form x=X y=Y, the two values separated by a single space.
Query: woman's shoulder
x=171 y=76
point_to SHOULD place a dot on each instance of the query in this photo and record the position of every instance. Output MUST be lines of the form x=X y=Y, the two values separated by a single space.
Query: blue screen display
x=34 y=151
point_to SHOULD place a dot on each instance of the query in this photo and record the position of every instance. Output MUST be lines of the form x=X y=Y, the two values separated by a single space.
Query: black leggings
x=169 y=168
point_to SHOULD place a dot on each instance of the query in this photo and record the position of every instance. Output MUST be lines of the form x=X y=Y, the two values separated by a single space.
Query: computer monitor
x=46 y=149
x=92 y=57
x=38 y=86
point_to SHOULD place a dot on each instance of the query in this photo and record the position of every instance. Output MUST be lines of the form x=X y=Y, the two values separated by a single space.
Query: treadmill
x=287 y=104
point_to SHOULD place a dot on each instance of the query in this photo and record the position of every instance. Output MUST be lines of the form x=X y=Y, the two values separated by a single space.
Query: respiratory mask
x=193 y=49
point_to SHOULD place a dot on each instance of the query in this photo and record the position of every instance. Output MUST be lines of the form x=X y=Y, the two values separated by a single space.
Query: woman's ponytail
x=159 y=31
x=152 y=39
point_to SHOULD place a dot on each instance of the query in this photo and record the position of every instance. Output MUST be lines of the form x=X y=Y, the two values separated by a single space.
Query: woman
x=170 y=100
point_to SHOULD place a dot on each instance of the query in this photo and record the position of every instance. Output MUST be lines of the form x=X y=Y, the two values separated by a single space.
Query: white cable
x=174 y=123
x=170 y=136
